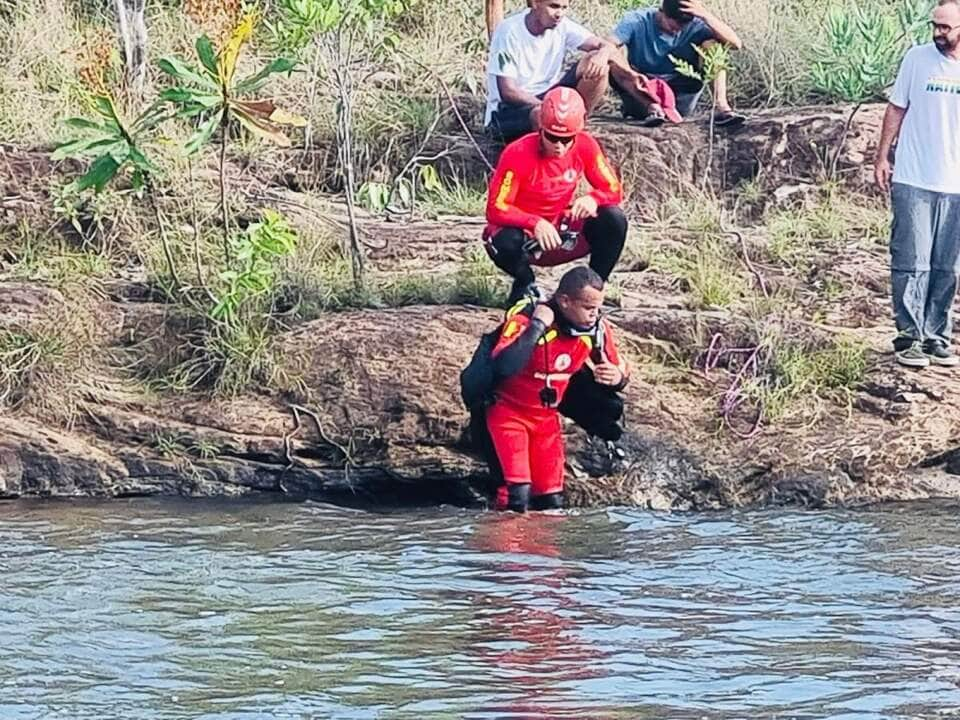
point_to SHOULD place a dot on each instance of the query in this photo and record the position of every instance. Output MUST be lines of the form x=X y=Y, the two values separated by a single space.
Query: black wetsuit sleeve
x=512 y=358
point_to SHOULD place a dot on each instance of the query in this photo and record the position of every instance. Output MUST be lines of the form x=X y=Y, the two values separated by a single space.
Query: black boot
x=550 y=501
x=518 y=497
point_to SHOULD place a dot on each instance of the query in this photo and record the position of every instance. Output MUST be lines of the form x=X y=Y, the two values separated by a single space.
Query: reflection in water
x=250 y=610
x=529 y=640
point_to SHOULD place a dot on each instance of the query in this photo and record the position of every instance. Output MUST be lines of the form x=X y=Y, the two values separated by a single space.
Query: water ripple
x=162 y=610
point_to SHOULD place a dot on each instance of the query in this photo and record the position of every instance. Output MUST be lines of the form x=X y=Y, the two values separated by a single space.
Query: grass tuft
x=832 y=218
x=709 y=271
x=50 y=367
x=798 y=373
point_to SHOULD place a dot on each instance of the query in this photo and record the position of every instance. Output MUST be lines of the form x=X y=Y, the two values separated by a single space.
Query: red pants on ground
x=529 y=445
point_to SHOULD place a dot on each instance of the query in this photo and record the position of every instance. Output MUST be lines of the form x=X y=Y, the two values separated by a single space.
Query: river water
x=173 y=609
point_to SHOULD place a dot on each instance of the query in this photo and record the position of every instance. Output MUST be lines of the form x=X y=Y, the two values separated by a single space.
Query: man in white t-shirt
x=527 y=54
x=924 y=111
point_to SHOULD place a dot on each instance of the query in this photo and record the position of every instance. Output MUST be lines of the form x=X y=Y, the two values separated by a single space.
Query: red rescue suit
x=527 y=186
x=526 y=434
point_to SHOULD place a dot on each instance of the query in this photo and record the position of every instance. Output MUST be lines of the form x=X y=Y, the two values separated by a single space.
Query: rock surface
x=371 y=410
x=782 y=150
x=378 y=420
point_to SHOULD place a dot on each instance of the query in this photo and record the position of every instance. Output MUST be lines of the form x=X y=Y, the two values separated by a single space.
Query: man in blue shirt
x=650 y=36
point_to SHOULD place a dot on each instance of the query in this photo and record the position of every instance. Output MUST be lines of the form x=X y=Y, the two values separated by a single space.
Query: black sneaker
x=912 y=356
x=651 y=120
x=939 y=353
x=728 y=119
x=615 y=451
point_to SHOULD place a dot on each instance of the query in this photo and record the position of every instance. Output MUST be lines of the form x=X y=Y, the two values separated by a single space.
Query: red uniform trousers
x=529 y=445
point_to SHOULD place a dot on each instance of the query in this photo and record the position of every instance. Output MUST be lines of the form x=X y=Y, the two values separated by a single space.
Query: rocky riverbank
x=719 y=312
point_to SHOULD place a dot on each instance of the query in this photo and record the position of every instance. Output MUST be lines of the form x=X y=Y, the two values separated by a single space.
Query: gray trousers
x=925 y=263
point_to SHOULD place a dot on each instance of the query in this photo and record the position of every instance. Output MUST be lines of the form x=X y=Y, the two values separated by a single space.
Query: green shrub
x=863 y=45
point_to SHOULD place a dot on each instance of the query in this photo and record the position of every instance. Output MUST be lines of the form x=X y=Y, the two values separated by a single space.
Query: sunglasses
x=557 y=139
x=938 y=27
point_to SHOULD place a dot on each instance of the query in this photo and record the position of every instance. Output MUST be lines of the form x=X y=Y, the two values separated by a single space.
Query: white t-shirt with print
x=928 y=149
x=534 y=61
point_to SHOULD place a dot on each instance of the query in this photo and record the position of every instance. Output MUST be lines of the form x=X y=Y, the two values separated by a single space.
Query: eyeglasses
x=557 y=139
x=941 y=28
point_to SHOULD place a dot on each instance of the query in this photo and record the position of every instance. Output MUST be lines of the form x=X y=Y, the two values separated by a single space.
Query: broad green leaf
x=203 y=134
x=102 y=171
x=176 y=68
x=332 y=16
x=253 y=83
x=188 y=96
x=140 y=161
x=106 y=108
x=79 y=148
x=430 y=178
x=207 y=55
x=84 y=124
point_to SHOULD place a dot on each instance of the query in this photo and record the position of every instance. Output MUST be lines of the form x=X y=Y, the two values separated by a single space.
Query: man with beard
x=924 y=113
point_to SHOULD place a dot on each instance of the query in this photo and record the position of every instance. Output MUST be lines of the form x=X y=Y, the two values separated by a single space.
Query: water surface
x=239 y=610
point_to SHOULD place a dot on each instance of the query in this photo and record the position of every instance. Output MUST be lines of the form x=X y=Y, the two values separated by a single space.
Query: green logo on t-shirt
x=943 y=85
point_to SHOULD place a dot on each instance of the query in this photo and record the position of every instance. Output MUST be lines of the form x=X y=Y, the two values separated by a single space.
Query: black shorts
x=511 y=120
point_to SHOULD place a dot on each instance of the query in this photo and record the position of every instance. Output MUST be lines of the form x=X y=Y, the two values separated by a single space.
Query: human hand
x=543 y=313
x=694 y=7
x=882 y=173
x=640 y=82
x=583 y=207
x=546 y=234
x=597 y=65
x=607 y=374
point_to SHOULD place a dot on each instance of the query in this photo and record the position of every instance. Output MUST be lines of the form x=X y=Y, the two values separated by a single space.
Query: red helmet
x=562 y=112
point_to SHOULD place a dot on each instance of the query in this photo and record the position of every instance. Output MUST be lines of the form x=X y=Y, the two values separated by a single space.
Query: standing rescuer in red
x=541 y=346
x=532 y=215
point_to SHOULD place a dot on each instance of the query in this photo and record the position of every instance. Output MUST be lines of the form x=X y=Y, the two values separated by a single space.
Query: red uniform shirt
x=555 y=359
x=528 y=186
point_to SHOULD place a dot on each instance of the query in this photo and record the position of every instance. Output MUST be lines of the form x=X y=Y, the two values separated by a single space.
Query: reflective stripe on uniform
x=607 y=173
x=518 y=306
x=552 y=377
x=506 y=185
x=547 y=337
